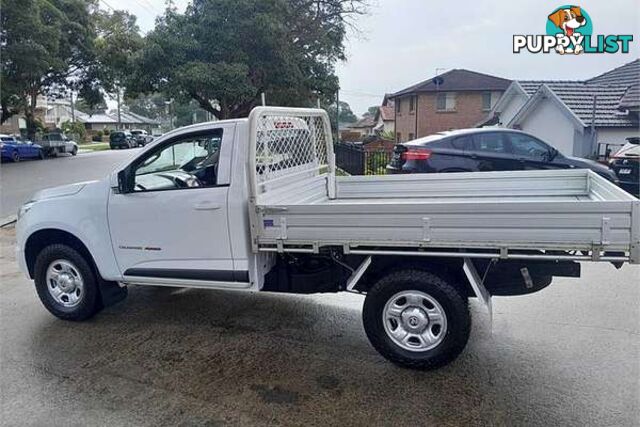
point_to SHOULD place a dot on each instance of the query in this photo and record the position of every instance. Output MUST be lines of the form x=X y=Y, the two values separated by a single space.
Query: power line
x=108 y=5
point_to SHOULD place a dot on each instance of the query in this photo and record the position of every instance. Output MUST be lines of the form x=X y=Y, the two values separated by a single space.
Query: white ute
x=255 y=204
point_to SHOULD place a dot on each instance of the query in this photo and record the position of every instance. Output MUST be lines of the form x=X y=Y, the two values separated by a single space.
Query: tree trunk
x=29 y=115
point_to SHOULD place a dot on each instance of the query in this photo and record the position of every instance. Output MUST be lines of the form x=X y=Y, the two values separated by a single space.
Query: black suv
x=626 y=165
x=481 y=150
x=121 y=139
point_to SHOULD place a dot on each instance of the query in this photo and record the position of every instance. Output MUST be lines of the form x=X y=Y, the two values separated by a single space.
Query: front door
x=532 y=153
x=172 y=220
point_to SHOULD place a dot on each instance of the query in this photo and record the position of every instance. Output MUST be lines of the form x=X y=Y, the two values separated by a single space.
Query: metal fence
x=355 y=159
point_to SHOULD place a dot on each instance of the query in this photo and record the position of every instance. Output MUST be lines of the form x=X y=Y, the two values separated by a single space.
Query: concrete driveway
x=569 y=355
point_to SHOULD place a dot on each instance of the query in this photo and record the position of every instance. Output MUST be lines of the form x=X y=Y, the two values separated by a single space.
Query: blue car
x=15 y=150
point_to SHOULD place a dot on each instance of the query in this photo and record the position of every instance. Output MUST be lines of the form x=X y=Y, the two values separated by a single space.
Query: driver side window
x=191 y=161
x=524 y=145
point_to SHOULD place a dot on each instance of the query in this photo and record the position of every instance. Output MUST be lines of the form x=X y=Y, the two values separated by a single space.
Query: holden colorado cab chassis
x=255 y=204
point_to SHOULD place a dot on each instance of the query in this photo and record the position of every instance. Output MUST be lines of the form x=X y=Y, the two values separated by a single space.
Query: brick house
x=454 y=100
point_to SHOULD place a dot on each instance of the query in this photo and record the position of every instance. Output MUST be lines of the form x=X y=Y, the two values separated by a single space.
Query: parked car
x=121 y=139
x=255 y=205
x=484 y=150
x=141 y=137
x=55 y=143
x=15 y=150
x=626 y=164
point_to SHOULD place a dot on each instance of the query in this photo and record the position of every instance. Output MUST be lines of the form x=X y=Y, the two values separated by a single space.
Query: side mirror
x=123 y=181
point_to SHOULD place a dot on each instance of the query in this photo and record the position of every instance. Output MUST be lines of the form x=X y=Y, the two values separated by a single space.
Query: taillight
x=416 y=155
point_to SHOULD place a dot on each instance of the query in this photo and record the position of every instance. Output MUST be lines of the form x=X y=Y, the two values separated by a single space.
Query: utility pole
x=118 y=98
x=338 y=115
x=73 y=110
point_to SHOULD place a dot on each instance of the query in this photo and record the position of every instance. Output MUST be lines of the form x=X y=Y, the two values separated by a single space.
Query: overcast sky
x=402 y=42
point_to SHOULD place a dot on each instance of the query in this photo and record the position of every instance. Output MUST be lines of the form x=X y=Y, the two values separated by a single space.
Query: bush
x=99 y=134
x=106 y=131
x=75 y=128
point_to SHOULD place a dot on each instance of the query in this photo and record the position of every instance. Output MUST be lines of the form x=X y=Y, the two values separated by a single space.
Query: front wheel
x=66 y=283
x=15 y=157
x=41 y=155
x=416 y=319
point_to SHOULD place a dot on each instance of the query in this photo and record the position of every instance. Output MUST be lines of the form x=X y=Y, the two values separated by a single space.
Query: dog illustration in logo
x=568 y=20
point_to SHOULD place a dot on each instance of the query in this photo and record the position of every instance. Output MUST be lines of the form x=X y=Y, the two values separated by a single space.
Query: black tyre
x=416 y=319
x=15 y=156
x=66 y=283
x=41 y=155
x=74 y=151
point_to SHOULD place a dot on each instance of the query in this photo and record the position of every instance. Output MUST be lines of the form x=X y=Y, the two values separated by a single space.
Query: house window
x=412 y=106
x=411 y=136
x=398 y=102
x=446 y=101
x=487 y=101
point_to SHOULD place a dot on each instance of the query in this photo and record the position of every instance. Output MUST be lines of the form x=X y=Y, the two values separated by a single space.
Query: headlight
x=25 y=208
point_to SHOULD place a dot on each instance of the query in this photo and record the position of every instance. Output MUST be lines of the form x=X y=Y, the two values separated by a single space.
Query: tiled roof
x=111 y=117
x=631 y=98
x=625 y=75
x=580 y=97
x=98 y=118
x=365 y=122
x=458 y=80
x=531 y=86
x=387 y=113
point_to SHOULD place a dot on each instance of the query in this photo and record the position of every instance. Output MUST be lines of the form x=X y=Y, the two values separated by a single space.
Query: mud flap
x=111 y=293
x=478 y=288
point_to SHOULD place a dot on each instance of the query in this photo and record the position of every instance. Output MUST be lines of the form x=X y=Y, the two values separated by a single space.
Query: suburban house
x=61 y=111
x=385 y=120
x=453 y=100
x=576 y=117
x=363 y=127
x=53 y=113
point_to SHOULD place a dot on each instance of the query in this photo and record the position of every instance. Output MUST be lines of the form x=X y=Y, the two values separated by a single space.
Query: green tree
x=116 y=45
x=371 y=111
x=74 y=128
x=91 y=107
x=48 y=47
x=346 y=114
x=224 y=53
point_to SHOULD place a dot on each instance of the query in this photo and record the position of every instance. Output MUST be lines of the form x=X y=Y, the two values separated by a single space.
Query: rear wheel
x=416 y=319
x=66 y=283
x=74 y=151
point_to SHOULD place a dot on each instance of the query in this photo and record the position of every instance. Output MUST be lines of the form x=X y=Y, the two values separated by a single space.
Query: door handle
x=206 y=206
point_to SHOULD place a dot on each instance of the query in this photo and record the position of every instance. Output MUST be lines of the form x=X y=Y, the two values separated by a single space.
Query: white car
x=255 y=205
x=56 y=143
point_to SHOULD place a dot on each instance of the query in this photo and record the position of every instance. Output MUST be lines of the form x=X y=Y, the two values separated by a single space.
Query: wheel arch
x=449 y=269
x=40 y=239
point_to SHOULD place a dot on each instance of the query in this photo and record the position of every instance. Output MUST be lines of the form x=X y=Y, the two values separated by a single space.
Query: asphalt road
x=18 y=181
x=569 y=355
